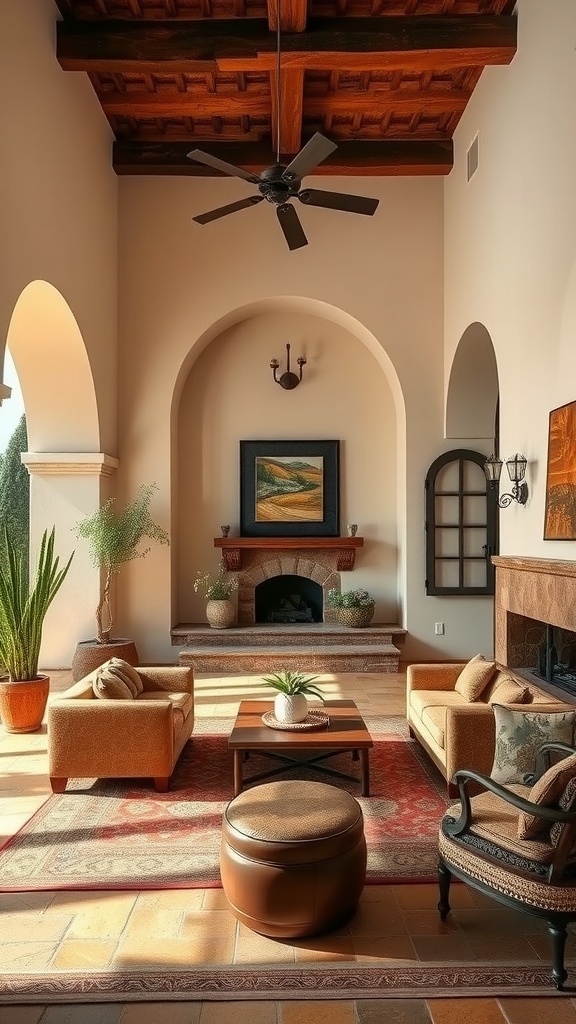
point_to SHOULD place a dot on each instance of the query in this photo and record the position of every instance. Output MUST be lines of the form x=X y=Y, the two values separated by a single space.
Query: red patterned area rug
x=106 y=834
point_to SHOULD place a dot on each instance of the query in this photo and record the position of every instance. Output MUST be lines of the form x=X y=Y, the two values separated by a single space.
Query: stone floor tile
x=160 y=899
x=538 y=1011
x=429 y=922
x=248 y=1012
x=382 y=894
x=324 y=947
x=258 y=949
x=472 y=1011
x=502 y=947
x=103 y=917
x=45 y=928
x=392 y=1011
x=24 y=902
x=425 y=897
x=26 y=956
x=495 y=922
x=372 y=919
x=21 y=1014
x=442 y=947
x=158 y=923
x=214 y=899
x=161 y=1013
x=319 y=1012
x=89 y=953
x=82 y=1013
x=216 y=923
x=369 y=949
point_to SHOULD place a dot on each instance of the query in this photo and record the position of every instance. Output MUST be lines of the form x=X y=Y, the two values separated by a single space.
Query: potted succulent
x=115 y=536
x=23 y=607
x=290 y=704
x=353 y=608
x=218 y=589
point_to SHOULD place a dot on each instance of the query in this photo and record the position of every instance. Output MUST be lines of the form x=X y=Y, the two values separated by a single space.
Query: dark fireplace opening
x=288 y=599
x=557 y=658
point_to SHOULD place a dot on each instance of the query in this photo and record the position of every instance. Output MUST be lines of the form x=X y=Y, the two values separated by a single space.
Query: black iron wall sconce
x=516 y=466
x=288 y=380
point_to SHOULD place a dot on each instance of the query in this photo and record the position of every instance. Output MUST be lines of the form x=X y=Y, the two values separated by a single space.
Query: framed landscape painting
x=560 y=516
x=289 y=489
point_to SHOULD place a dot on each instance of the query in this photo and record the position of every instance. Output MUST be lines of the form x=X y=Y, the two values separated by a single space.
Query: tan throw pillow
x=508 y=691
x=474 y=677
x=108 y=685
x=519 y=736
x=547 y=792
x=128 y=674
x=565 y=803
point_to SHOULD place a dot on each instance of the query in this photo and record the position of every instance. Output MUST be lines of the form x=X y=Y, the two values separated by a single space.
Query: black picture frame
x=251 y=523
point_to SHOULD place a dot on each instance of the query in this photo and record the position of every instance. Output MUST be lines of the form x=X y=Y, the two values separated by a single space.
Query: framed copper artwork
x=560 y=515
x=289 y=489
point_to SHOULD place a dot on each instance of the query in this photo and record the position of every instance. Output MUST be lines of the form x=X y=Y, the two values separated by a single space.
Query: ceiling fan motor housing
x=275 y=187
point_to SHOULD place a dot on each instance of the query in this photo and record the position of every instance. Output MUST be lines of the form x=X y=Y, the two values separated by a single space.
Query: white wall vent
x=472 y=159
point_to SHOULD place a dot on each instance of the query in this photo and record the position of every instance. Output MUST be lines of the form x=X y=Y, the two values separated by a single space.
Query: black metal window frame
x=490 y=526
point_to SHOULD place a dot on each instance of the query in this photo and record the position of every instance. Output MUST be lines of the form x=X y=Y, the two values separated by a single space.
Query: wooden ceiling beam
x=377 y=103
x=291 y=106
x=360 y=159
x=292 y=15
x=334 y=43
x=184 y=104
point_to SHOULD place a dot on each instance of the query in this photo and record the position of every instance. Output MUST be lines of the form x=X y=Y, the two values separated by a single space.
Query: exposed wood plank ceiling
x=387 y=80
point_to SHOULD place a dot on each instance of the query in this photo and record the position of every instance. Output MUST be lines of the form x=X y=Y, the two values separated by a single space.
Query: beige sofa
x=457 y=733
x=93 y=738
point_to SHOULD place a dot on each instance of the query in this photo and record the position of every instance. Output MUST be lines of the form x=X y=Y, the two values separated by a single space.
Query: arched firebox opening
x=288 y=599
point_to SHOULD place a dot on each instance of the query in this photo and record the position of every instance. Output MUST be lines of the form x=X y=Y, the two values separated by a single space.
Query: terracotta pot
x=89 y=654
x=290 y=708
x=23 y=703
x=220 y=614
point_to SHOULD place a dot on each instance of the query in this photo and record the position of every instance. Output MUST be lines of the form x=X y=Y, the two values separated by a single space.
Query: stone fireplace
x=265 y=560
x=535 y=617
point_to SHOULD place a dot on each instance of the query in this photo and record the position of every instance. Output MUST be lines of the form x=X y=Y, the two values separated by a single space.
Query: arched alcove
x=472 y=394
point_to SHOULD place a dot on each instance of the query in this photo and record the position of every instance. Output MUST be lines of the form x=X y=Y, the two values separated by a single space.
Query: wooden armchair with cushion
x=121 y=722
x=517 y=844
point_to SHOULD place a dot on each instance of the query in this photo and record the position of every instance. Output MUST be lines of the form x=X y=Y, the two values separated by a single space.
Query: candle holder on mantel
x=352 y=529
x=225 y=530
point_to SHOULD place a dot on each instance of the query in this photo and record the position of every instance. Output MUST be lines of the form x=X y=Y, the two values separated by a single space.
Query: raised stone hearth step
x=311 y=634
x=310 y=657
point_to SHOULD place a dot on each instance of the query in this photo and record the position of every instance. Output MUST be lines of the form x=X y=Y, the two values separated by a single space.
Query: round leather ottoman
x=293 y=857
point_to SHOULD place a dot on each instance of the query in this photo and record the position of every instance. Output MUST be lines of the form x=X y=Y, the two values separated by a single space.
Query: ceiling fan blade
x=291 y=226
x=312 y=154
x=339 y=201
x=223 y=211
x=222 y=165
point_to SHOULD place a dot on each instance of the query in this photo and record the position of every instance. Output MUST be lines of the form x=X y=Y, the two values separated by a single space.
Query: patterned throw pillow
x=547 y=792
x=519 y=736
x=565 y=804
x=474 y=677
x=508 y=691
x=108 y=685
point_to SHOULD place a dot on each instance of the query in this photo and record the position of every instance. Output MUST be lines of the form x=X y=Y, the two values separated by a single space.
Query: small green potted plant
x=23 y=607
x=290 y=704
x=218 y=589
x=115 y=535
x=353 y=607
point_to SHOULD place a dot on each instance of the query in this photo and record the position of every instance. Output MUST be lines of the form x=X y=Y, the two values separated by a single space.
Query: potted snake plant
x=23 y=607
x=290 y=704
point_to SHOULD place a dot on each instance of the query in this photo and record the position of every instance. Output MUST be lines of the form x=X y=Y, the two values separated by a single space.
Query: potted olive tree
x=23 y=607
x=115 y=535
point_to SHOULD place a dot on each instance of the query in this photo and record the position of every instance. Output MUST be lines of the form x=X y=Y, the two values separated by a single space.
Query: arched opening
x=472 y=395
x=288 y=599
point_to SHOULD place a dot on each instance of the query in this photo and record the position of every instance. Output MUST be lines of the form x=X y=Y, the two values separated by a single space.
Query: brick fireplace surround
x=531 y=592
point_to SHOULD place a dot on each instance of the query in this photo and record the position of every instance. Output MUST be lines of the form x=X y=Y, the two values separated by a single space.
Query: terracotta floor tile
x=157 y=923
x=428 y=922
x=139 y=952
x=86 y=1013
x=472 y=1011
x=161 y=1013
x=26 y=956
x=24 y=902
x=538 y=1011
x=395 y=947
x=392 y=1011
x=217 y=923
x=162 y=899
x=320 y=1012
x=249 y=1012
x=496 y=922
x=254 y=948
x=214 y=899
x=324 y=947
x=442 y=947
x=543 y=947
x=20 y=927
x=502 y=947
x=20 y=1014
x=425 y=897
x=374 y=919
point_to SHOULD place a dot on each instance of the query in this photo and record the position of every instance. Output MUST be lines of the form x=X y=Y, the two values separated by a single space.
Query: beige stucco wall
x=182 y=286
x=58 y=286
x=511 y=247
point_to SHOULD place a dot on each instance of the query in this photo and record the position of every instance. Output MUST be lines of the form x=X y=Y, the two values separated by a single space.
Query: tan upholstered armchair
x=517 y=844
x=143 y=737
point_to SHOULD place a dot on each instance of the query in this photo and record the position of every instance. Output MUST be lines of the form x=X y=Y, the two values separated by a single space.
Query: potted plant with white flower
x=353 y=607
x=218 y=589
x=290 y=704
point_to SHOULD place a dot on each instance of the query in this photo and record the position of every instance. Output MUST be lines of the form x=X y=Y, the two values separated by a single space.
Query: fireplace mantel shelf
x=232 y=548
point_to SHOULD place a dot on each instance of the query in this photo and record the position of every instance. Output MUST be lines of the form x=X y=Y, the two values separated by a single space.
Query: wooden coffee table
x=346 y=731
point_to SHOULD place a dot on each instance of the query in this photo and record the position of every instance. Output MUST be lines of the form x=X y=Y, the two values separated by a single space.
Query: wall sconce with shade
x=288 y=380
x=516 y=466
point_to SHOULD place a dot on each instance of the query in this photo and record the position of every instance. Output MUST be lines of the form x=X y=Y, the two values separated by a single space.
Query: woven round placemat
x=313 y=720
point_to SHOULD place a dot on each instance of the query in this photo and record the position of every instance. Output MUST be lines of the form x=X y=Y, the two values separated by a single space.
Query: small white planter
x=290 y=709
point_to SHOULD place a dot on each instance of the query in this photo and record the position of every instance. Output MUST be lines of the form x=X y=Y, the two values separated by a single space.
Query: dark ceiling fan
x=279 y=184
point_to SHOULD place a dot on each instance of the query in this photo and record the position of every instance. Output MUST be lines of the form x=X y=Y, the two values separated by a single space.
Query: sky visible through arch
x=13 y=407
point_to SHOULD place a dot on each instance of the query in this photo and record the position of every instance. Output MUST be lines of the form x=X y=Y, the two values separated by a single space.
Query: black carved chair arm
x=543 y=760
x=465 y=775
